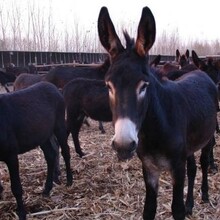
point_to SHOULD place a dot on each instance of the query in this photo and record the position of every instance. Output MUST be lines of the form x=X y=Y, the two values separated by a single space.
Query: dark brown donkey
x=209 y=66
x=85 y=98
x=164 y=121
x=28 y=119
x=25 y=80
x=182 y=59
x=61 y=75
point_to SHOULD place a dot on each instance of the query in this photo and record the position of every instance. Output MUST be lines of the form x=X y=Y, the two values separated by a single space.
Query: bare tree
x=35 y=29
x=3 y=25
x=15 y=23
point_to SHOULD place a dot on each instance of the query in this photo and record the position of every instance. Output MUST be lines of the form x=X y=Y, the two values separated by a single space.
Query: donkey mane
x=129 y=41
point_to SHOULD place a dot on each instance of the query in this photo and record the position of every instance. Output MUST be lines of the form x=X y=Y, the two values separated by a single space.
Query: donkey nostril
x=113 y=145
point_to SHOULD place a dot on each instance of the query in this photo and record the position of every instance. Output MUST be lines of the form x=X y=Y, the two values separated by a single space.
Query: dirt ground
x=103 y=188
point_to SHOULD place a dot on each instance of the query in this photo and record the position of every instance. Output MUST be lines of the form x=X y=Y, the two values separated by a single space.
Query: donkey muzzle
x=124 y=153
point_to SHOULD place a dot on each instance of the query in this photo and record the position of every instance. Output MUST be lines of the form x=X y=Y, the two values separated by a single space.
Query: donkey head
x=209 y=67
x=183 y=59
x=127 y=78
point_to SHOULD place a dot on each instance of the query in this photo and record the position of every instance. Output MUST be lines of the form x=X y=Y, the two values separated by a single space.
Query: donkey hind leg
x=16 y=187
x=204 y=161
x=75 y=127
x=217 y=129
x=1 y=190
x=56 y=147
x=61 y=135
x=50 y=157
x=151 y=179
x=101 y=128
x=6 y=88
x=86 y=122
x=178 y=173
x=213 y=168
x=191 y=174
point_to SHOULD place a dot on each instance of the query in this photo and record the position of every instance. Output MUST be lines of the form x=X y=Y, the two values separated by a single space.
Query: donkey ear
x=197 y=61
x=107 y=34
x=187 y=53
x=155 y=61
x=146 y=32
x=177 y=53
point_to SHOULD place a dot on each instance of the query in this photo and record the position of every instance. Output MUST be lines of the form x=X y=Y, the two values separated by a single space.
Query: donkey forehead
x=126 y=79
x=127 y=72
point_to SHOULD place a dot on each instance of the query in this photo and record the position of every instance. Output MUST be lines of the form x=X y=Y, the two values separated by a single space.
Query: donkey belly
x=99 y=117
x=200 y=138
x=99 y=113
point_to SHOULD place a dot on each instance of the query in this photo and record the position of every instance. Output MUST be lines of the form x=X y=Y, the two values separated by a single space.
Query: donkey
x=85 y=98
x=28 y=119
x=61 y=75
x=17 y=70
x=183 y=59
x=209 y=67
x=181 y=65
x=164 y=121
x=213 y=72
x=180 y=62
x=6 y=78
x=25 y=80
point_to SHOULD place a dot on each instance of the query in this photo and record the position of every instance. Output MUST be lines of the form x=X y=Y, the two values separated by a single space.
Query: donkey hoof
x=57 y=181
x=213 y=169
x=205 y=198
x=188 y=211
x=81 y=154
x=1 y=192
x=21 y=214
x=46 y=193
x=69 y=181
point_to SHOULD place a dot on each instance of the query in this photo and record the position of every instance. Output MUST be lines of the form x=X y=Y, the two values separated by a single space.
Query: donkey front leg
x=1 y=190
x=101 y=128
x=178 y=173
x=204 y=160
x=213 y=168
x=50 y=156
x=74 y=128
x=191 y=174
x=151 y=182
x=55 y=145
x=13 y=167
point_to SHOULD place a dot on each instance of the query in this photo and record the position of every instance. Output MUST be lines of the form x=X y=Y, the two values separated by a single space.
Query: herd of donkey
x=164 y=113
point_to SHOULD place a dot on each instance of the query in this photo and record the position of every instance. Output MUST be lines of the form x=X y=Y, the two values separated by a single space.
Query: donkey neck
x=162 y=100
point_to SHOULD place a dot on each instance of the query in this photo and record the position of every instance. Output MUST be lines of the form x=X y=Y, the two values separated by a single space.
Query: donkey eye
x=109 y=87
x=144 y=87
x=141 y=89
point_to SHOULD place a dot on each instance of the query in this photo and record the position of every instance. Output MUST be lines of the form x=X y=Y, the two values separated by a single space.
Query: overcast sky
x=194 y=19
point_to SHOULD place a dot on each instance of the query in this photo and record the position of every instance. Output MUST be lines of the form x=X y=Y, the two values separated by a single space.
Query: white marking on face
x=125 y=132
x=141 y=89
x=111 y=91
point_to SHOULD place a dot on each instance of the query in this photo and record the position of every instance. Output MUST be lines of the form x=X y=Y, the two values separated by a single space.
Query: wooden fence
x=25 y=58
